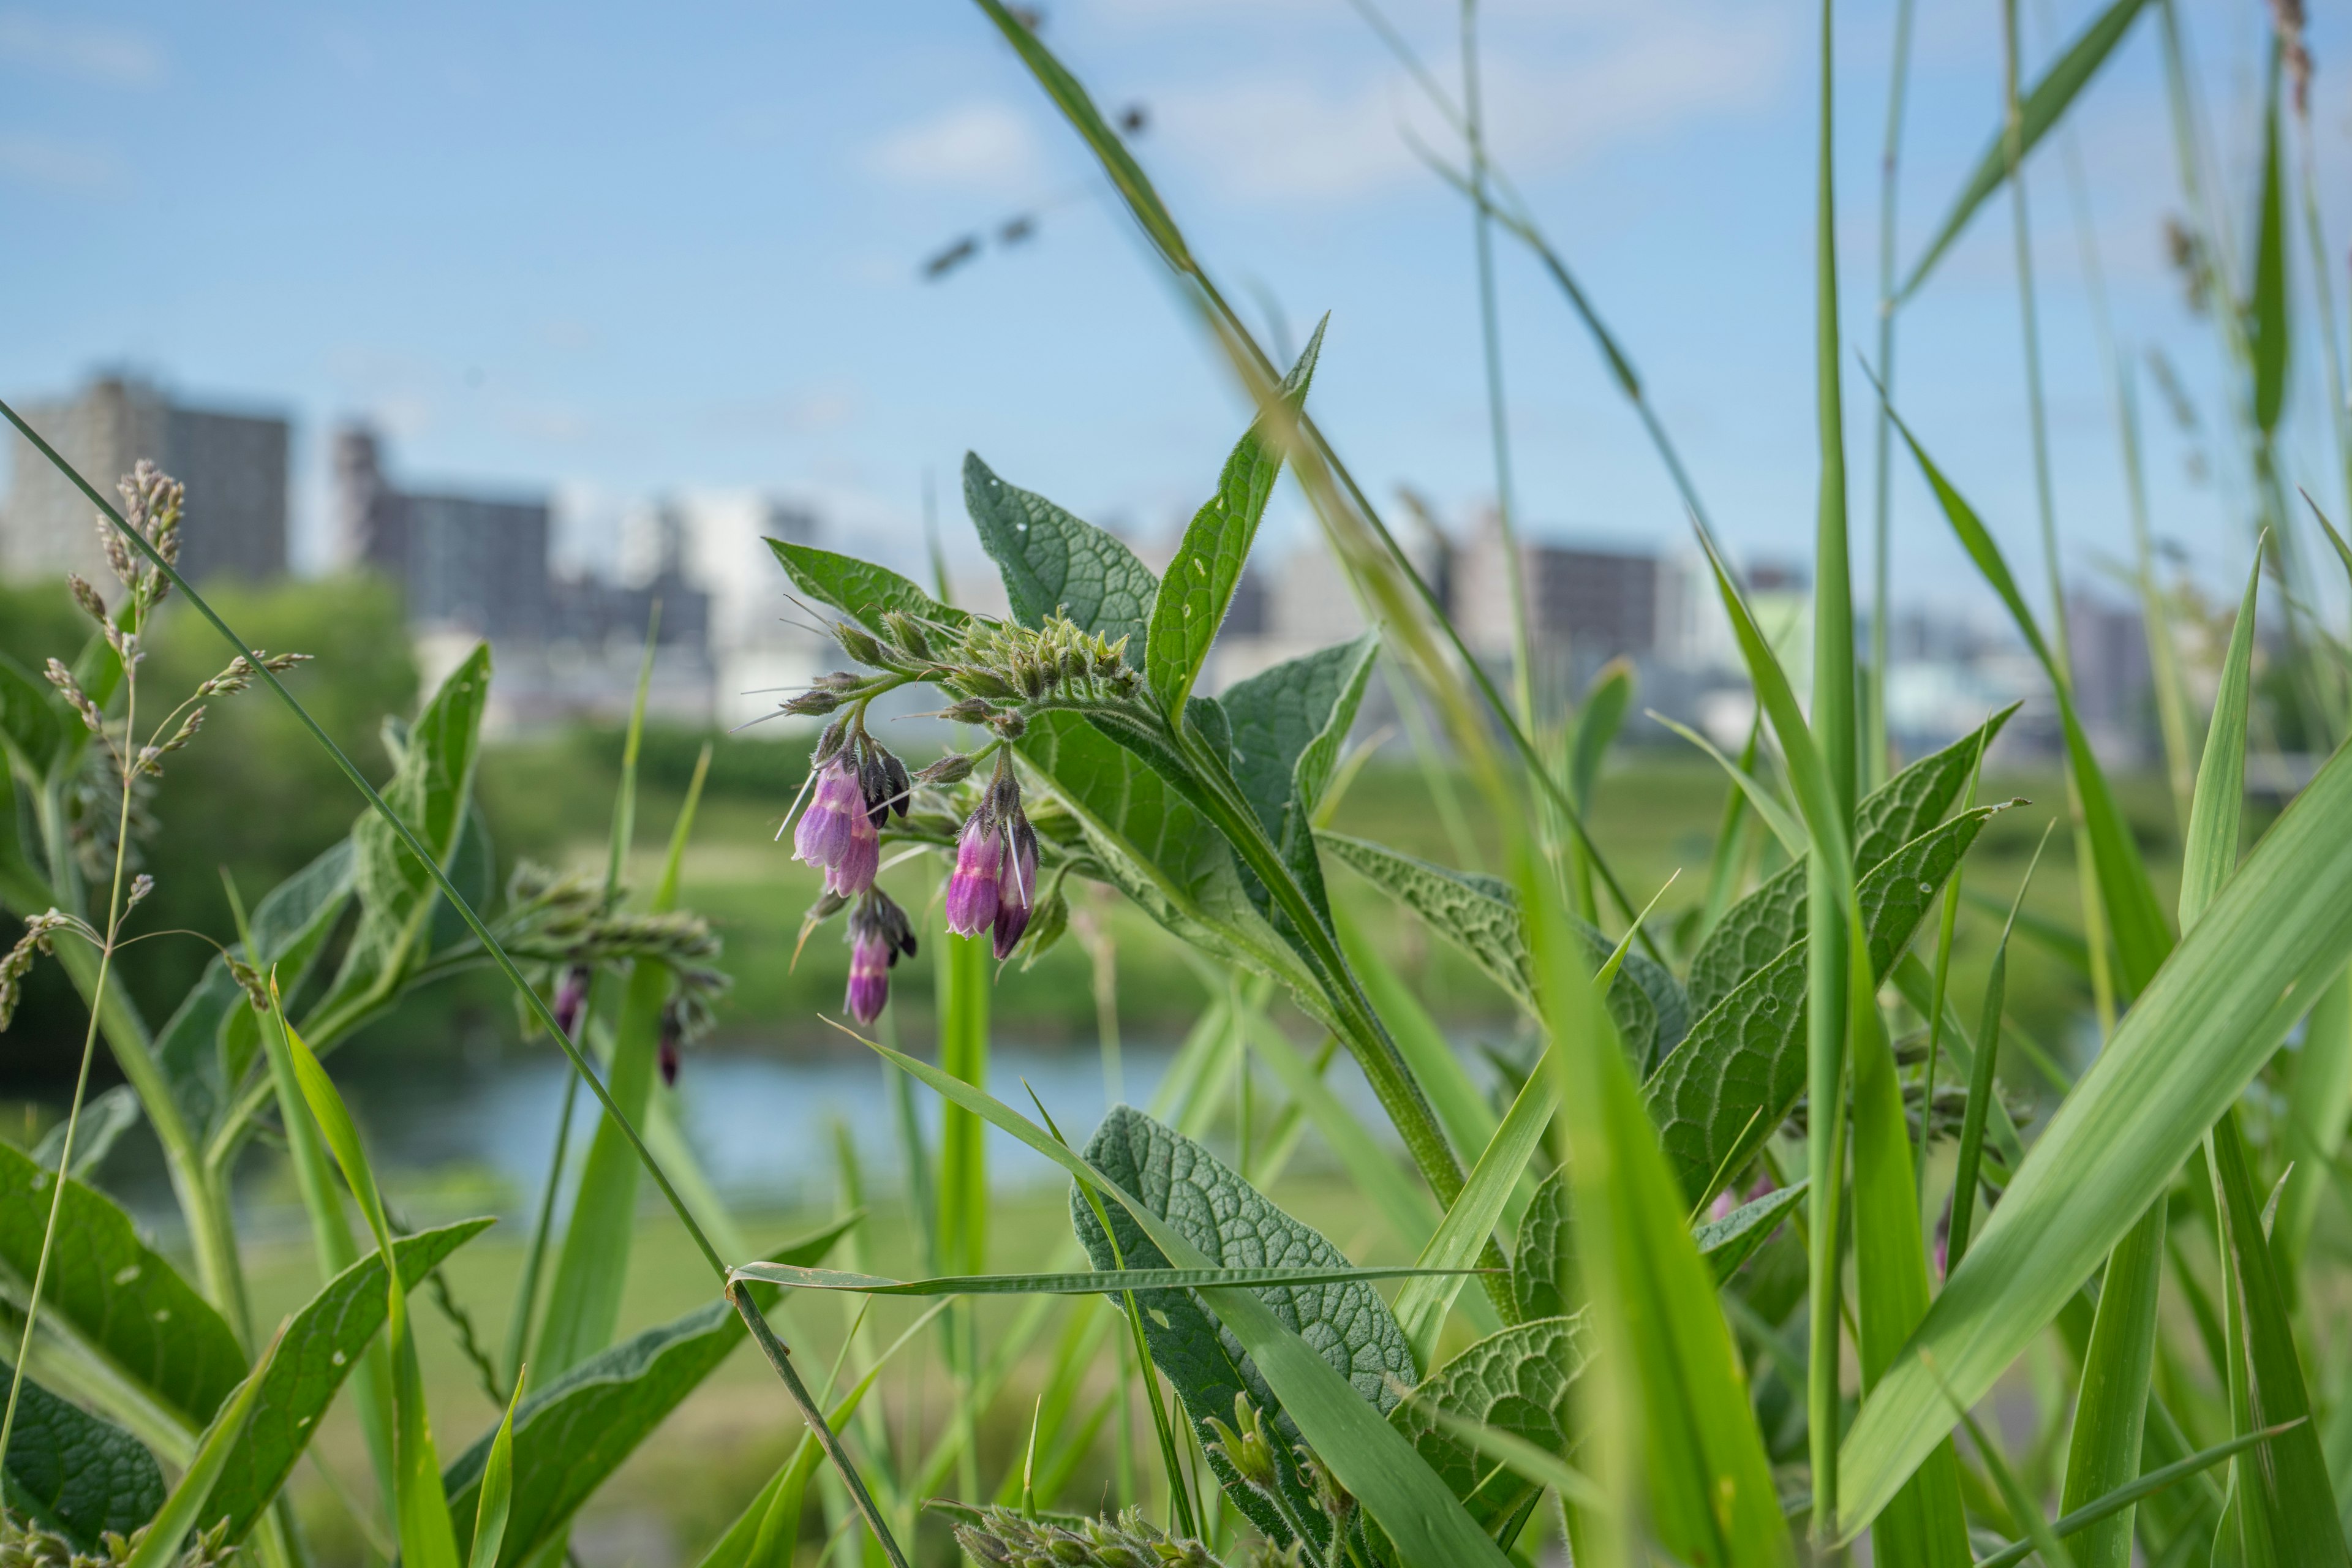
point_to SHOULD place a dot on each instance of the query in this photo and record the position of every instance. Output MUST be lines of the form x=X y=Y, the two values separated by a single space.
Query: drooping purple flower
x=570 y=997
x=880 y=933
x=980 y=865
x=851 y=871
x=824 y=832
x=1016 y=898
x=869 y=975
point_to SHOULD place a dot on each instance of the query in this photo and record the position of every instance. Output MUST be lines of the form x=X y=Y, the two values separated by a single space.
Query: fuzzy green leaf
x=1761 y=927
x=858 y=589
x=118 y=1297
x=1741 y=1069
x=76 y=1473
x=1208 y=563
x=322 y=1345
x=1519 y=1381
x=1053 y=562
x=1287 y=725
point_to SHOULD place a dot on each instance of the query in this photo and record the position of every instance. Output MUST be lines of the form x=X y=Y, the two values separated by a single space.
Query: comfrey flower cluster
x=994 y=888
x=996 y=674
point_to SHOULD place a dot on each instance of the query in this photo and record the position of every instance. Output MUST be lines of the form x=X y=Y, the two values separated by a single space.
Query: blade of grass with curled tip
x=1776 y=816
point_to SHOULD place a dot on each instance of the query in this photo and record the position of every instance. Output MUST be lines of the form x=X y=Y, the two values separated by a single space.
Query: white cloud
x=61 y=166
x=115 y=57
x=1607 y=80
x=981 y=143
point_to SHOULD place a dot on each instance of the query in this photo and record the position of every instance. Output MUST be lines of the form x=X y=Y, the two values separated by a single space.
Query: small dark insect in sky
x=954 y=257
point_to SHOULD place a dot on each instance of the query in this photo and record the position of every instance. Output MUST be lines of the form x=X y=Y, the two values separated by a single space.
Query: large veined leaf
x=1287 y=725
x=858 y=589
x=2043 y=105
x=1760 y=928
x=1233 y=1226
x=1365 y=1454
x=35 y=725
x=1742 y=1067
x=1054 y=562
x=121 y=1299
x=574 y=1432
x=1517 y=1381
x=76 y=1473
x=320 y=1345
x=1208 y=563
x=430 y=789
x=1480 y=915
x=2214 y=1013
x=211 y=1041
x=1543 y=1265
x=1158 y=850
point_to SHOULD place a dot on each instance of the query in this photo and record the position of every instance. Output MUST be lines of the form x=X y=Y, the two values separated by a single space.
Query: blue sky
x=613 y=249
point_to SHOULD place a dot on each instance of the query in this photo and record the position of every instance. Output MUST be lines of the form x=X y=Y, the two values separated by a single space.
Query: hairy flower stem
x=89 y=1051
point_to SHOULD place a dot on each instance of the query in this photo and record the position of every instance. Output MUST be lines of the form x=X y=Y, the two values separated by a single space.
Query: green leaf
x=2041 y=108
x=104 y=1120
x=117 y=1297
x=430 y=790
x=2208 y=854
x=1053 y=562
x=36 y=727
x=75 y=1473
x=574 y=1432
x=188 y=1506
x=2124 y=1498
x=1092 y=1283
x=2277 y=932
x=1207 y=566
x=1543 y=1265
x=1469 y=1223
x=1761 y=927
x=1517 y=1381
x=1728 y=1242
x=1729 y=1084
x=1672 y=1369
x=321 y=1344
x=859 y=589
x=1234 y=1224
x=1480 y=915
x=2287 y=1480
x=2135 y=919
x=1287 y=725
x=1367 y=1456
x=1759 y=796
x=2266 y=313
x=210 y=1044
x=495 y=1493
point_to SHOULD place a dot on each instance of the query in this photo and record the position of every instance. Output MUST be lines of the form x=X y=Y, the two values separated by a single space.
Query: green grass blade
x=2043 y=106
x=1526 y=1459
x=2267 y=312
x=2288 y=1481
x=2125 y=1497
x=964 y=1149
x=184 y=1509
x=1469 y=1119
x=1412 y=1213
x=2111 y=1407
x=2142 y=938
x=497 y=1495
x=1422 y=1306
x=1832 y=716
x=1368 y=1456
x=2020 y=1502
x=1924 y=1523
x=2318 y=1099
x=1777 y=816
x=427 y=1539
x=1091 y=1282
x=2277 y=932
x=1710 y=1488
x=1983 y=1096
x=2217 y=809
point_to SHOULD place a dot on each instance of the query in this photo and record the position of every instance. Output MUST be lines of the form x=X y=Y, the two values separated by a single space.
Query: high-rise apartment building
x=469 y=564
x=233 y=464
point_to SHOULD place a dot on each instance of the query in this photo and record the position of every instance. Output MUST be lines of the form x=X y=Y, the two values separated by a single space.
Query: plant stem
x=127 y=757
x=1877 y=758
